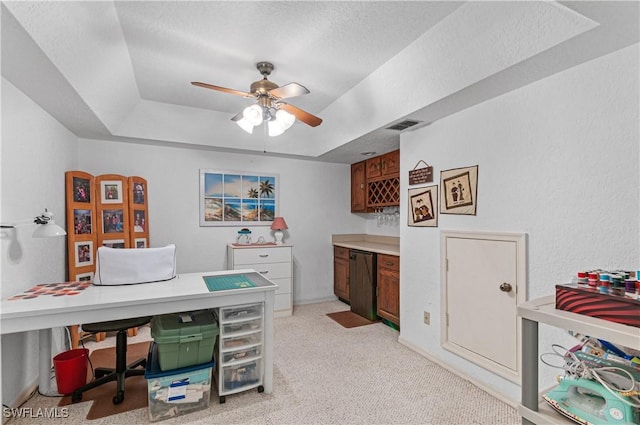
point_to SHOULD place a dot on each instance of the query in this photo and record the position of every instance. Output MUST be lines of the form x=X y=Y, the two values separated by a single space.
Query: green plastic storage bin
x=184 y=339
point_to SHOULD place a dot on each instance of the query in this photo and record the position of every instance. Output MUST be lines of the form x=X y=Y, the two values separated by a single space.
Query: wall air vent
x=403 y=125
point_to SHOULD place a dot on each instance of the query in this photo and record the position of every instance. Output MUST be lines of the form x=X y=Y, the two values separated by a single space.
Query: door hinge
x=446 y=264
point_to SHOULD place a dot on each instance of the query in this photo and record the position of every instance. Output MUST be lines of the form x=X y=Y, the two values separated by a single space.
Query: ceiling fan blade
x=303 y=116
x=237 y=117
x=222 y=89
x=289 y=90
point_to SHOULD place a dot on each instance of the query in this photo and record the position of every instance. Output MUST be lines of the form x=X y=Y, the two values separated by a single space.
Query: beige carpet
x=326 y=374
x=135 y=390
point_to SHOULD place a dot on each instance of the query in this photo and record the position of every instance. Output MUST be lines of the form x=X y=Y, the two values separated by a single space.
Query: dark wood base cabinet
x=341 y=273
x=389 y=288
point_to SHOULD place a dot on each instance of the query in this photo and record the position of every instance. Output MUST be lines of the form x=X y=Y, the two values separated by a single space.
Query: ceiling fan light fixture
x=285 y=118
x=253 y=114
x=245 y=125
x=276 y=128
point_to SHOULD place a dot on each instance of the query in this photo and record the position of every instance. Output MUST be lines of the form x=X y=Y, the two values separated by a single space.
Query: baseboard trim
x=21 y=399
x=461 y=374
x=316 y=300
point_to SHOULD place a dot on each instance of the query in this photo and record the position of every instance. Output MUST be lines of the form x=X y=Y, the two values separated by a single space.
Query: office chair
x=122 y=369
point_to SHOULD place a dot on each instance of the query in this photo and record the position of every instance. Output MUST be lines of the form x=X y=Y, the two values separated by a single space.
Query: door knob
x=506 y=287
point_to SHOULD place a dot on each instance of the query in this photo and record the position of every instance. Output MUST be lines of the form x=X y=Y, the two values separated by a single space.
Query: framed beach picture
x=231 y=198
x=423 y=207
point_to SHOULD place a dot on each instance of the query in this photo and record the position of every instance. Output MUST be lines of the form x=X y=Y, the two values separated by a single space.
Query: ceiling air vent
x=403 y=125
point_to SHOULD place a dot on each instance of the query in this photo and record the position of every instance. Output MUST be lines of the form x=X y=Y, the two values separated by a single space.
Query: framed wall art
x=112 y=209
x=114 y=243
x=111 y=191
x=140 y=243
x=459 y=188
x=230 y=198
x=84 y=277
x=139 y=212
x=423 y=207
x=84 y=253
x=82 y=222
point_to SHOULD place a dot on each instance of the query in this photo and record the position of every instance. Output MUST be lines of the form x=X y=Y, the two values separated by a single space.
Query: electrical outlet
x=427 y=318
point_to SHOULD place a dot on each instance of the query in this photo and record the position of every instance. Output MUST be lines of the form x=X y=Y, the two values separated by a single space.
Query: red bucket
x=71 y=369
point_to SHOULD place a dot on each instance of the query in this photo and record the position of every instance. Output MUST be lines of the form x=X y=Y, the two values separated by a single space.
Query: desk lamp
x=278 y=225
x=48 y=229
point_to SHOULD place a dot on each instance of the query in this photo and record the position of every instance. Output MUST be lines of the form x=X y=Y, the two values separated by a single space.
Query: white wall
x=314 y=200
x=36 y=150
x=558 y=160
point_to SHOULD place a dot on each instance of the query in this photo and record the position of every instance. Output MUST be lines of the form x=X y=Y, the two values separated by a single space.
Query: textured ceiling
x=122 y=70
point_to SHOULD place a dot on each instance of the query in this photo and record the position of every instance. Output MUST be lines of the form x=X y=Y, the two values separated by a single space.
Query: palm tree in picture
x=253 y=193
x=266 y=189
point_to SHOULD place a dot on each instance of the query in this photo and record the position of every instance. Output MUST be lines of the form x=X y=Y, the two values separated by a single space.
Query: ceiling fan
x=269 y=106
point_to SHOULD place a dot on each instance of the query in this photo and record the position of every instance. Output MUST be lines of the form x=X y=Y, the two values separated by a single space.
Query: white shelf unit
x=239 y=349
x=272 y=261
x=533 y=409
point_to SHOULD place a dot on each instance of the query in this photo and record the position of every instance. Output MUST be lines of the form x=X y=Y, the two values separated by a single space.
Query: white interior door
x=482 y=281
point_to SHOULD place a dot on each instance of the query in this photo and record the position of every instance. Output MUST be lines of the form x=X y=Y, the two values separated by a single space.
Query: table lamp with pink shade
x=278 y=225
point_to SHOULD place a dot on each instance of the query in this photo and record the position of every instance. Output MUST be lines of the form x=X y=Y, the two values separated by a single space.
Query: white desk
x=101 y=303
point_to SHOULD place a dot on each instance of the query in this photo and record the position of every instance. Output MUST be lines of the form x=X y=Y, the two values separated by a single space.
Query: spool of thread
x=604 y=283
x=617 y=285
x=594 y=278
x=630 y=288
x=583 y=278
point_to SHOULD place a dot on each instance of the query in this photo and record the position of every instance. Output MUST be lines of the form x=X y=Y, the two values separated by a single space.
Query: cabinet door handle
x=389 y=263
x=264 y=255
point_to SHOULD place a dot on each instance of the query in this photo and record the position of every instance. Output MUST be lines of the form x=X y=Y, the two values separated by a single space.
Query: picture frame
x=140 y=243
x=84 y=277
x=82 y=221
x=234 y=198
x=111 y=191
x=138 y=193
x=458 y=188
x=114 y=243
x=423 y=206
x=83 y=253
x=139 y=221
x=81 y=190
x=113 y=221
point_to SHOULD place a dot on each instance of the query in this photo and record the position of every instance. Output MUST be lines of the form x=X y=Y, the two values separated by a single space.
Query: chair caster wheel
x=222 y=399
x=76 y=397
x=260 y=389
x=117 y=399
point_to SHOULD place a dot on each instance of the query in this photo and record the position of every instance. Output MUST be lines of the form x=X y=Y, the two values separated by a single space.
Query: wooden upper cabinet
x=374 y=167
x=387 y=165
x=358 y=187
x=390 y=163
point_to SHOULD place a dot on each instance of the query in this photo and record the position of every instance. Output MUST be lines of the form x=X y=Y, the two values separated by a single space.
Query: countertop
x=379 y=244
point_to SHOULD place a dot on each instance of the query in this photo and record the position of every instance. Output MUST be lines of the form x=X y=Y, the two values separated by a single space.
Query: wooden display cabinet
x=358 y=187
x=384 y=165
x=389 y=288
x=341 y=273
